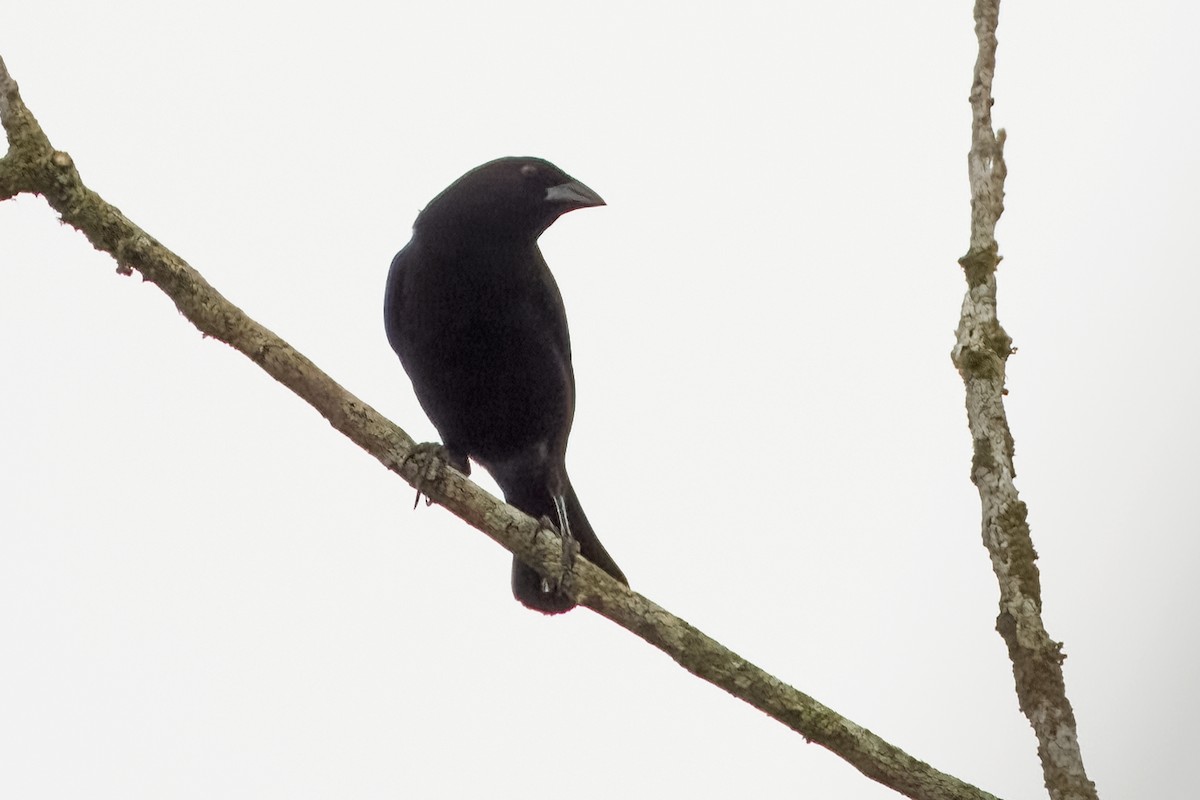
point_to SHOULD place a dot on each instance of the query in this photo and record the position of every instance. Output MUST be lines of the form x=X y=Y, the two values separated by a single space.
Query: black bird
x=478 y=322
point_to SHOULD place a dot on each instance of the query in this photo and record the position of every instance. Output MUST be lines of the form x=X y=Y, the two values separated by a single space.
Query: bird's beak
x=573 y=194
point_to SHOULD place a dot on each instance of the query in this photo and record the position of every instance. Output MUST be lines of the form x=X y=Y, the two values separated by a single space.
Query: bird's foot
x=430 y=458
x=570 y=549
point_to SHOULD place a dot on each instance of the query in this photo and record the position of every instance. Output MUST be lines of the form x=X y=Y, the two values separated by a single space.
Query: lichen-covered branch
x=980 y=354
x=33 y=165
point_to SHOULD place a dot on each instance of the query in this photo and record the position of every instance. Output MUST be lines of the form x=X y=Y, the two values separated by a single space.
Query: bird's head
x=509 y=197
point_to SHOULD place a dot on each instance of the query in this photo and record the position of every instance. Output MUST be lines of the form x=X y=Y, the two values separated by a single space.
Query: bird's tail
x=528 y=586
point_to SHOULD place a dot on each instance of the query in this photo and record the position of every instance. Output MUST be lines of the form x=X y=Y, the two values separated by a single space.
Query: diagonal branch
x=980 y=353
x=33 y=165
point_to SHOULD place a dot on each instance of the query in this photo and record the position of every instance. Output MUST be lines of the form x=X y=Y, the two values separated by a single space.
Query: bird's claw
x=570 y=549
x=430 y=458
x=544 y=524
x=567 y=576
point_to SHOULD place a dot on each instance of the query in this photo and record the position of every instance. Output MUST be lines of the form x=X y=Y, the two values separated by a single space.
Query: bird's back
x=483 y=336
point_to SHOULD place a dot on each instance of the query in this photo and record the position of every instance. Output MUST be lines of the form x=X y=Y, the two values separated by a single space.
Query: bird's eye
x=529 y=169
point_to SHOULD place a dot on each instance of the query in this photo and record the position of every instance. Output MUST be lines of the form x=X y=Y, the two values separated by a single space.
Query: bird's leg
x=546 y=524
x=570 y=547
x=429 y=458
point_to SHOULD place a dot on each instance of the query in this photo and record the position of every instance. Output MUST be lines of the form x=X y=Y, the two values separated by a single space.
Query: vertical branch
x=980 y=354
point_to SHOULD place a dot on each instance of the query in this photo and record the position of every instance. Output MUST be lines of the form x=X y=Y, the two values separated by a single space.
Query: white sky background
x=206 y=592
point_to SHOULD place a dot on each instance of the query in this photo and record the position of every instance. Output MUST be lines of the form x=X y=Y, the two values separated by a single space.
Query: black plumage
x=478 y=322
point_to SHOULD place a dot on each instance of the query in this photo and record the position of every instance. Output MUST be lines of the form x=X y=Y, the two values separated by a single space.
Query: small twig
x=35 y=166
x=980 y=354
